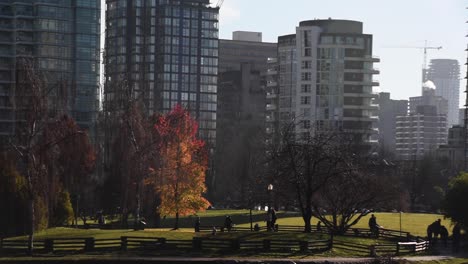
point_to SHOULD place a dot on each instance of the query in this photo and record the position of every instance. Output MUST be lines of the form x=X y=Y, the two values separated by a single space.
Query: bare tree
x=306 y=164
x=351 y=195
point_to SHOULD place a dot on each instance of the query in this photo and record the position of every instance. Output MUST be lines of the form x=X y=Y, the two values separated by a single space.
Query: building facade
x=166 y=53
x=62 y=39
x=445 y=74
x=389 y=109
x=420 y=133
x=241 y=115
x=325 y=79
x=429 y=97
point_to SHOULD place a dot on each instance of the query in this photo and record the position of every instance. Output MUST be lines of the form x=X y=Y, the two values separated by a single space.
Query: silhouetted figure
x=456 y=233
x=443 y=235
x=433 y=231
x=213 y=231
x=197 y=225
x=373 y=226
x=319 y=226
x=228 y=223
x=273 y=219
x=256 y=227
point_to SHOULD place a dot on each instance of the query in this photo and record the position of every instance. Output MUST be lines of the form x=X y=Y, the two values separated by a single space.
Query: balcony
x=370 y=58
x=271 y=107
x=272 y=84
x=271 y=95
x=270 y=118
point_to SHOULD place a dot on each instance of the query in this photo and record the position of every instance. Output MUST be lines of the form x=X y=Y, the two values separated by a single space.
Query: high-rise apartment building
x=429 y=97
x=325 y=79
x=389 y=109
x=241 y=115
x=420 y=133
x=166 y=52
x=62 y=39
x=445 y=74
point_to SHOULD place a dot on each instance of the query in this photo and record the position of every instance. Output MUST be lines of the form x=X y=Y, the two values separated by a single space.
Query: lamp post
x=270 y=190
x=400 y=223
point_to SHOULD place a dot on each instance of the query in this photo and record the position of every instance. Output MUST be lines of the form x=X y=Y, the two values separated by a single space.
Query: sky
x=393 y=23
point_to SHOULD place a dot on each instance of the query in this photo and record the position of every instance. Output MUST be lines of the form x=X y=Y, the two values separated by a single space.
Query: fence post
x=123 y=243
x=304 y=245
x=49 y=245
x=266 y=244
x=398 y=248
x=197 y=243
x=1 y=243
x=373 y=252
x=89 y=244
x=235 y=244
x=162 y=241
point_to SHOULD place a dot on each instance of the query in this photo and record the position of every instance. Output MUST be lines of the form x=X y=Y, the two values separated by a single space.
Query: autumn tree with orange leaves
x=180 y=174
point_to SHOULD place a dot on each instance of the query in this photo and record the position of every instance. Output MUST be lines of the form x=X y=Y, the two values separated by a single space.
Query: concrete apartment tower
x=325 y=79
x=241 y=116
x=166 y=51
x=62 y=38
x=445 y=74
x=389 y=109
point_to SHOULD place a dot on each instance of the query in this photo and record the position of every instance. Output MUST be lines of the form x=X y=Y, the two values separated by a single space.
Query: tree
x=180 y=177
x=36 y=148
x=454 y=204
x=351 y=195
x=306 y=164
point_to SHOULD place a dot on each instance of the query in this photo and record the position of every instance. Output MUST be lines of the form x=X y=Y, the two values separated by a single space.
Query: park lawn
x=416 y=224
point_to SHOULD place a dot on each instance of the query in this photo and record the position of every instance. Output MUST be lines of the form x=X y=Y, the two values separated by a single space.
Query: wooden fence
x=126 y=243
x=406 y=243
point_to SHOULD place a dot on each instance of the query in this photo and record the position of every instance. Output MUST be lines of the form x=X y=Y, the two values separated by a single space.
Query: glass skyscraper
x=166 y=53
x=62 y=39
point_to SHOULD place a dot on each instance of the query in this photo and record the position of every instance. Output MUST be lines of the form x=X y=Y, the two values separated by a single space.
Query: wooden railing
x=410 y=244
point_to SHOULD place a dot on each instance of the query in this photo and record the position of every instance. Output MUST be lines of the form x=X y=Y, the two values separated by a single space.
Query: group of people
x=435 y=229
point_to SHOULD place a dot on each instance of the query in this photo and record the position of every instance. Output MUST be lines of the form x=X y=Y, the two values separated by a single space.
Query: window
x=305 y=100
x=305 y=88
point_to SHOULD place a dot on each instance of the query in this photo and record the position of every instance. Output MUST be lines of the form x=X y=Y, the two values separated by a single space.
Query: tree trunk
x=176 y=225
x=137 y=209
x=31 y=226
x=307 y=225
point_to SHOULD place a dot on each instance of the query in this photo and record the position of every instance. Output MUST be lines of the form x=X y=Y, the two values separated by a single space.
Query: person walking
x=456 y=233
x=373 y=226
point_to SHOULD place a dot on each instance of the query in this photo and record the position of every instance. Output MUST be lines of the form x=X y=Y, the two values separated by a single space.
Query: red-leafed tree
x=180 y=174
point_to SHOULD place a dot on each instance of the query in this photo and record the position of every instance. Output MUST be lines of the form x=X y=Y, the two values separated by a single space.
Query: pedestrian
x=256 y=227
x=273 y=219
x=373 y=226
x=456 y=233
x=443 y=235
x=433 y=231
x=228 y=223
x=319 y=226
x=197 y=225
x=269 y=219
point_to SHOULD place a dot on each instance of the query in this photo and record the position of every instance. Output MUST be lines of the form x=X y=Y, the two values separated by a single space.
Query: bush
x=63 y=210
x=13 y=194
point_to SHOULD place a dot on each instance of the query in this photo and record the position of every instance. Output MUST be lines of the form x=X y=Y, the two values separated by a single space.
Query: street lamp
x=270 y=190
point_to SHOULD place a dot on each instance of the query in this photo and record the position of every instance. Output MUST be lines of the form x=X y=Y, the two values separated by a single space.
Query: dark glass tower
x=166 y=53
x=62 y=38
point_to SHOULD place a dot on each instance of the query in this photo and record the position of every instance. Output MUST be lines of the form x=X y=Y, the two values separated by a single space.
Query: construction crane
x=425 y=48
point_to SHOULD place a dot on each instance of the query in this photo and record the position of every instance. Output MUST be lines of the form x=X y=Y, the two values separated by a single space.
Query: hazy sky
x=393 y=23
